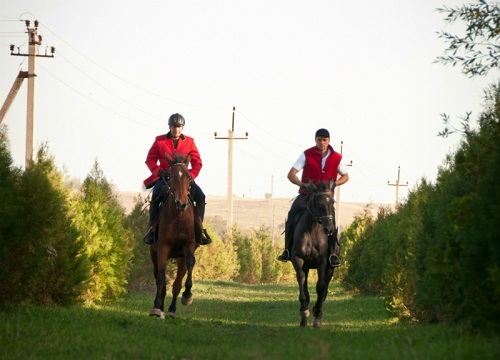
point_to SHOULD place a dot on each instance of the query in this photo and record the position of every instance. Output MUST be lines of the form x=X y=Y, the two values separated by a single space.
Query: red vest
x=312 y=170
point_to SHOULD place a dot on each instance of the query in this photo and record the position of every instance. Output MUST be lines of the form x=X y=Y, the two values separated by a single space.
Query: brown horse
x=310 y=248
x=176 y=237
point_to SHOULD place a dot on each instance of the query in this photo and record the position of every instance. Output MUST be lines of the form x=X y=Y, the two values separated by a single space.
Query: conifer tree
x=48 y=265
x=10 y=210
x=109 y=241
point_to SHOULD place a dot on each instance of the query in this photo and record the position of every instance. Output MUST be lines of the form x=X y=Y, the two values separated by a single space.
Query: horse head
x=180 y=179
x=320 y=205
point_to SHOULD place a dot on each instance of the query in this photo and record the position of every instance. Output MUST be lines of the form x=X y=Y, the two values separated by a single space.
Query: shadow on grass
x=230 y=320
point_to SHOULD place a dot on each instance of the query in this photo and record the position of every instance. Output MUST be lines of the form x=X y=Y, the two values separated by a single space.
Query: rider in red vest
x=319 y=163
x=173 y=141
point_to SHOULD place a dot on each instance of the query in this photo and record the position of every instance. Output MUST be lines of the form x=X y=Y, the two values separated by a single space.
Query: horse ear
x=168 y=158
x=331 y=184
x=311 y=185
x=188 y=159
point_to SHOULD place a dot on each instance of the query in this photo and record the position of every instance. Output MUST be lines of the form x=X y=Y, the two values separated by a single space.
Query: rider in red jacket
x=173 y=141
x=319 y=163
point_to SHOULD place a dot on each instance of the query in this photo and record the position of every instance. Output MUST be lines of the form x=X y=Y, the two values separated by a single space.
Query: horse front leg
x=303 y=291
x=160 y=264
x=187 y=296
x=325 y=274
x=177 y=285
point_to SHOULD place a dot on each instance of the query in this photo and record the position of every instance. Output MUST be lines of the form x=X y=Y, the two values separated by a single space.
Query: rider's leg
x=285 y=256
x=334 y=249
x=150 y=236
x=198 y=196
x=299 y=204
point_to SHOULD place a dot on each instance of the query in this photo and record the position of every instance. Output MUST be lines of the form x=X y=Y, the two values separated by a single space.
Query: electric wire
x=127 y=81
x=92 y=100
x=109 y=91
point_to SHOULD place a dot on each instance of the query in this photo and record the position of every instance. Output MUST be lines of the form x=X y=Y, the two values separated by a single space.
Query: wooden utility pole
x=34 y=40
x=230 y=139
x=397 y=185
x=337 y=221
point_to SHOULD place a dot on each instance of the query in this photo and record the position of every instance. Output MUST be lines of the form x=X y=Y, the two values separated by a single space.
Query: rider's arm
x=152 y=159
x=196 y=163
x=292 y=176
x=344 y=176
x=342 y=179
x=299 y=165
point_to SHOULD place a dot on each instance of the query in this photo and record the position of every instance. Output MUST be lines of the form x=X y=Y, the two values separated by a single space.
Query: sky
x=362 y=69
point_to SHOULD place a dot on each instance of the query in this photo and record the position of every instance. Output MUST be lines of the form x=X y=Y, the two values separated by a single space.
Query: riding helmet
x=176 y=120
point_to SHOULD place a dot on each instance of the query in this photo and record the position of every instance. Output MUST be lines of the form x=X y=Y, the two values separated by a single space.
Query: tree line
x=437 y=257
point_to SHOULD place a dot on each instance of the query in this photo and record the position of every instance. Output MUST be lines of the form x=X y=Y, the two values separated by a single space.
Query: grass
x=232 y=321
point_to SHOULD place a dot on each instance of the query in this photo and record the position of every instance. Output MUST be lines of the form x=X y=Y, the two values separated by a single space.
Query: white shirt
x=301 y=162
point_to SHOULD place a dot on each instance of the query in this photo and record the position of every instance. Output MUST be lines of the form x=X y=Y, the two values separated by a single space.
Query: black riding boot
x=150 y=237
x=205 y=238
x=285 y=256
x=334 y=249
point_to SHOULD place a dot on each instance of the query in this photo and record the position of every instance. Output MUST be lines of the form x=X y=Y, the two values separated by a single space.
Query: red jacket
x=312 y=169
x=165 y=144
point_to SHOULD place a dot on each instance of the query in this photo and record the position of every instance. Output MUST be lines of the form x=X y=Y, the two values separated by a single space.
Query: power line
x=267 y=132
x=127 y=81
x=92 y=100
x=109 y=91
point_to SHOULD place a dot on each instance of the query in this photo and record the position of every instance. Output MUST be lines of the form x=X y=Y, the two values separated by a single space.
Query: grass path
x=232 y=321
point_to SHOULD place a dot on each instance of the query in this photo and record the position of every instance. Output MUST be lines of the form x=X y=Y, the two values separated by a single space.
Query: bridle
x=190 y=201
x=316 y=218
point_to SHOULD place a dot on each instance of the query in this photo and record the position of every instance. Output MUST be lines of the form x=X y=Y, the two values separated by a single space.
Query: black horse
x=310 y=247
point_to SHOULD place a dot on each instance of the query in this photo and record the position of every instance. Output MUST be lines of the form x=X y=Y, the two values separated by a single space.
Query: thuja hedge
x=57 y=246
x=437 y=257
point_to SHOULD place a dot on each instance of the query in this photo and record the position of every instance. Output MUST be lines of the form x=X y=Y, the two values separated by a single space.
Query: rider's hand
x=162 y=173
x=306 y=187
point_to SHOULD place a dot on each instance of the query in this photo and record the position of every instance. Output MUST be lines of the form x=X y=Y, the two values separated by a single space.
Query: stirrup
x=333 y=261
x=284 y=257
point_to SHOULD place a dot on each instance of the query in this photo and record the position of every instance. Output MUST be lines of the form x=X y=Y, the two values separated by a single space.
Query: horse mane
x=322 y=187
x=178 y=157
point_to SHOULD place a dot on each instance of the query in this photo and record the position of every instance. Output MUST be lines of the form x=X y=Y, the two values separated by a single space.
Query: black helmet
x=176 y=120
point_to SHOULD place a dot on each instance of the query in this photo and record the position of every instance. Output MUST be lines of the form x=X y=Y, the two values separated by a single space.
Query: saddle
x=162 y=198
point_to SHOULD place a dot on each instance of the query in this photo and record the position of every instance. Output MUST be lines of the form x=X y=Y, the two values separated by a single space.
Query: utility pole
x=230 y=139
x=34 y=40
x=12 y=93
x=337 y=221
x=397 y=185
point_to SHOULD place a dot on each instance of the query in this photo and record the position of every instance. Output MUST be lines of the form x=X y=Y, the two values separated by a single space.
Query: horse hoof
x=171 y=314
x=158 y=313
x=187 y=301
x=317 y=323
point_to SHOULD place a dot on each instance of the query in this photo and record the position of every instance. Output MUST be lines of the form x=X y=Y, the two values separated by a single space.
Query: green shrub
x=109 y=242
x=48 y=265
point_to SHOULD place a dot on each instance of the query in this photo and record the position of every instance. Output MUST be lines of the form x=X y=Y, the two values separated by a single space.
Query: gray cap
x=176 y=120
